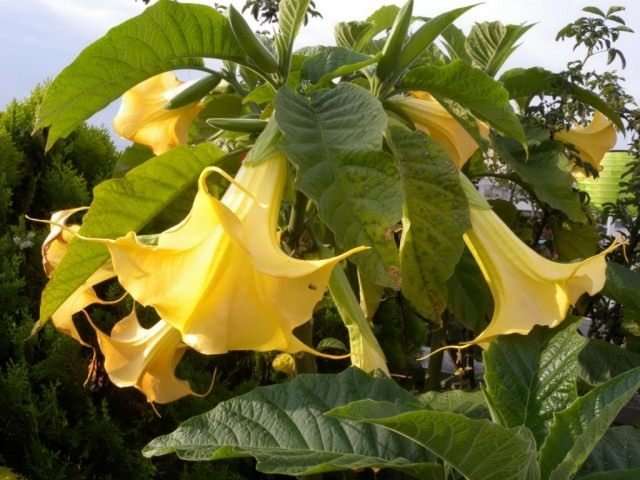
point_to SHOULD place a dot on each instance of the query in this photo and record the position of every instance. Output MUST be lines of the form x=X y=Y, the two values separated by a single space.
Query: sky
x=38 y=38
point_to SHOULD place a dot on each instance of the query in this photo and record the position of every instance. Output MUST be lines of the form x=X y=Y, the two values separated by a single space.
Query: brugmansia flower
x=53 y=250
x=145 y=358
x=527 y=288
x=591 y=142
x=429 y=116
x=219 y=277
x=144 y=119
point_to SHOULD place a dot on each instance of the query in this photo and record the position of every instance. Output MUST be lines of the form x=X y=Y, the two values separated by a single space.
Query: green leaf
x=470 y=299
x=333 y=62
x=426 y=34
x=334 y=138
x=284 y=429
x=478 y=449
x=613 y=475
x=354 y=35
x=547 y=171
x=469 y=404
x=395 y=41
x=576 y=431
x=529 y=378
x=523 y=84
x=472 y=89
x=455 y=43
x=601 y=361
x=573 y=241
x=617 y=450
x=490 y=44
x=166 y=36
x=132 y=157
x=121 y=206
x=290 y=17
x=623 y=286
x=435 y=216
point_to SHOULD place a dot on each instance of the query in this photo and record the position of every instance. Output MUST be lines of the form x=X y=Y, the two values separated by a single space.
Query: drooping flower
x=219 y=277
x=144 y=119
x=591 y=141
x=527 y=288
x=430 y=117
x=53 y=250
x=144 y=358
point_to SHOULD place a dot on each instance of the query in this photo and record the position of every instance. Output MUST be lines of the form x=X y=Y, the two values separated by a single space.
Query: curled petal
x=144 y=119
x=527 y=288
x=145 y=358
x=220 y=277
x=591 y=142
x=54 y=249
x=433 y=119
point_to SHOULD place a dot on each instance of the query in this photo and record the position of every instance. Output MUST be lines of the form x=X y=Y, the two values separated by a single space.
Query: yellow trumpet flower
x=591 y=142
x=145 y=358
x=430 y=117
x=527 y=288
x=219 y=277
x=144 y=119
x=53 y=250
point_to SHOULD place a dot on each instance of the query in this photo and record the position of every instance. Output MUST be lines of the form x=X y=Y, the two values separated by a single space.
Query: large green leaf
x=435 y=217
x=529 y=378
x=489 y=44
x=334 y=137
x=617 y=450
x=469 y=404
x=478 y=449
x=472 y=89
x=523 y=84
x=284 y=428
x=576 y=431
x=166 y=36
x=601 y=361
x=623 y=285
x=123 y=205
x=547 y=171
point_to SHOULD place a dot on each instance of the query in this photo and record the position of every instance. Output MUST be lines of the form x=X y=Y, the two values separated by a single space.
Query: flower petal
x=433 y=119
x=527 y=288
x=144 y=119
x=591 y=142
x=144 y=358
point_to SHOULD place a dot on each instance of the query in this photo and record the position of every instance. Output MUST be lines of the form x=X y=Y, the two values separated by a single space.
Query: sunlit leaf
x=531 y=377
x=435 y=215
x=284 y=428
x=578 y=429
x=478 y=449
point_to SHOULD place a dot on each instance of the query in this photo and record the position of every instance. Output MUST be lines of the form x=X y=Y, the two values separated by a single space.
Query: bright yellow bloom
x=145 y=358
x=219 y=277
x=433 y=119
x=53 y=250
x=527 y=288
x=143 y=118
x=591 y=142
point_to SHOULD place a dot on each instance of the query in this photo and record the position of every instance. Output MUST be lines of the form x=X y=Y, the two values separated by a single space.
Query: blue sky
x=38 y=38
